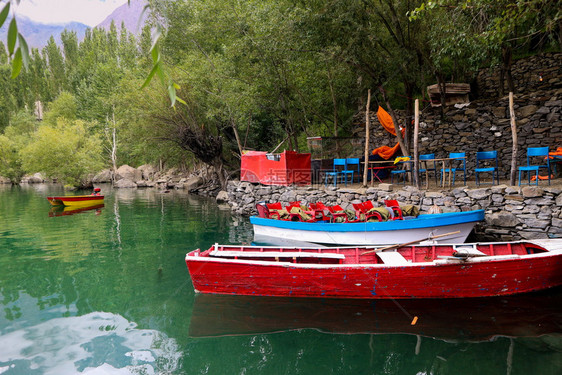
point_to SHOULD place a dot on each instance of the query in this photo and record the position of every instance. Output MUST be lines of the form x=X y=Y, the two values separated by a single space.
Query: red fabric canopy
x=284 y=169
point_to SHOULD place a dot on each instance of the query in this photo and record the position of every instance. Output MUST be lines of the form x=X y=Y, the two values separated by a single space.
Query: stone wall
x=485 y=124
x=512 y=213
x=531 y=74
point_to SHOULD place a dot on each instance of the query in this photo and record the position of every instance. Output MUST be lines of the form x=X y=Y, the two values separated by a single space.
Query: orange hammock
x=386 y=152
x=534 y=178
x=558 y=152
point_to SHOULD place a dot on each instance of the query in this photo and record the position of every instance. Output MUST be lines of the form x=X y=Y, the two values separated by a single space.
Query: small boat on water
x=425 y=270
x=367 y=232
x=76 y=200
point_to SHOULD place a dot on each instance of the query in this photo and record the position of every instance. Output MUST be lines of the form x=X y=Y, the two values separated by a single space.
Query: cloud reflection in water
x=95 y=343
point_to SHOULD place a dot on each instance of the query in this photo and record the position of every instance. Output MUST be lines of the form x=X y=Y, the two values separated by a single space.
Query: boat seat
x=274 y=254
x=393 y=258
x=467 y=251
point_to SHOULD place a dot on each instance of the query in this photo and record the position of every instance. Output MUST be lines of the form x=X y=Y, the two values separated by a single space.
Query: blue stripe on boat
x=422 y=221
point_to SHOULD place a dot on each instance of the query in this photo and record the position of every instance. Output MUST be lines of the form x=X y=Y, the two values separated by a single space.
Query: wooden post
x=367 y=126
x=514 y=140
x=405 y=150
x=416 y=131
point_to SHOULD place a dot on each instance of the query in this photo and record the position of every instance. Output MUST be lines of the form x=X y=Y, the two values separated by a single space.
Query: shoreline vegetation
x=266 y=75
x=511 y=212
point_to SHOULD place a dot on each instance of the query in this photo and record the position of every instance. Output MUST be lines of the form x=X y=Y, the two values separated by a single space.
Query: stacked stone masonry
x=512 y=213
x=485 y=124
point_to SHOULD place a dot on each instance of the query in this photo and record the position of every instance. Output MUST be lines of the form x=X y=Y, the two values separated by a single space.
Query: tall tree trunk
x=409 y=87
x=505 y=71
x=334 y=103
x=219 y=169
x=235 y=129
x=367 y=126
x=442 y=91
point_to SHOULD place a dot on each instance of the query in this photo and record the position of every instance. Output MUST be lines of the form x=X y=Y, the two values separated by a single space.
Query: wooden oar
x=409 y=243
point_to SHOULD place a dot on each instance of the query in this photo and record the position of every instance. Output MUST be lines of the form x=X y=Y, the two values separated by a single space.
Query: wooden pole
x=397 y=246
x=367 y=126
x=236 y=135
x=514 y=140
x=405 y=150
x=416 y=131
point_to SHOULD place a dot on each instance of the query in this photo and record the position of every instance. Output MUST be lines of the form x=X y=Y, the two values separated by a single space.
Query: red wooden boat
x=399 y=271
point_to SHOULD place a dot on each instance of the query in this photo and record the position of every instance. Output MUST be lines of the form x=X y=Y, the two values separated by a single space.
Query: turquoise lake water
x=106 y=291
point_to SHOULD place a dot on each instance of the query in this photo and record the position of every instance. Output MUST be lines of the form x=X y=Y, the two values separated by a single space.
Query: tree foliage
x=255 y=74
x=67 y=151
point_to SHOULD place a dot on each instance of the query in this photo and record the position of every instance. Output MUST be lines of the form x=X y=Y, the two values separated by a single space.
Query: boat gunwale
x=73 y=198
x=422 y=221
x=438 y=262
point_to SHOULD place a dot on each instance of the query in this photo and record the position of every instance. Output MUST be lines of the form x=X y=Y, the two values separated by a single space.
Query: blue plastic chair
x=424 y=161
x=461 y=156
x=487 y=162
x=337 y=172
x=402 y=171
x=535 y=152
x=352 y=167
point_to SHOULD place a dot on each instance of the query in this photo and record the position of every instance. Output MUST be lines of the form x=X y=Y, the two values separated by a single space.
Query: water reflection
x=470 y=320
x=97 y=342
x=64 y=210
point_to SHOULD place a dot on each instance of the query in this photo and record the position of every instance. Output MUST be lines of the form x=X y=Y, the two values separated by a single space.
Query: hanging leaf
x=24 y=50
x=16 y=64
x=4 y=14
x=12 y=36
x=156 y=34
x=172 y=94
x=150 y=75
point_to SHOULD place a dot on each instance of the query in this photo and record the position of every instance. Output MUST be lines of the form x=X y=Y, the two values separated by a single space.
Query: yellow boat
x=76 y=200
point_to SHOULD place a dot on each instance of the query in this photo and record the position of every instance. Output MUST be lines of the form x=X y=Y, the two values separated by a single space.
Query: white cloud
x=89 y=12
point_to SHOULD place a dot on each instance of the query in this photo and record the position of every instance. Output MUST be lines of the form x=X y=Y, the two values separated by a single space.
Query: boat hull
x=442 y=278
x=76 y=201
x=370 y=233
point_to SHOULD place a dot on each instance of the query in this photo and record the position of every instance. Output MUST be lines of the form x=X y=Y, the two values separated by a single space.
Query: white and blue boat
x=449 y=227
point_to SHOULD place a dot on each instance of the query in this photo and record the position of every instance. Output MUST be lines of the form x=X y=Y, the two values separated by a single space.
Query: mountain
x=37 y=34
x=129 y=15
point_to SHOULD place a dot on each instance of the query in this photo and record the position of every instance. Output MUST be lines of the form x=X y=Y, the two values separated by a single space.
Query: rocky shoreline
x=512 y=212
x=146 y=176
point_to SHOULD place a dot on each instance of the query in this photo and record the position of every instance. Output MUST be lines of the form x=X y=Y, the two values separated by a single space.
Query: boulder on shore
x=125 y=183
x=193 y=183
x=127 y=172
x=36 y=178
x=102 y=177
x=147 y=171
x=222 y=197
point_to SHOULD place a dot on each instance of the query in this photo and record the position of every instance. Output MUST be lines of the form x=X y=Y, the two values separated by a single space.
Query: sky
x=89 y=12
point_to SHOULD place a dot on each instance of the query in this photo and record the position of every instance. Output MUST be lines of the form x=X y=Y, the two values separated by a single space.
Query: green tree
x=57 y=77
x=16 y=136
x=67 y=152
x=477 y=31
x=64 y=106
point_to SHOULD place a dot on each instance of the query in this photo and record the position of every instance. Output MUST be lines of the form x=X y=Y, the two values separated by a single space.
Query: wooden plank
x=392 y=258
x=274 y=254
